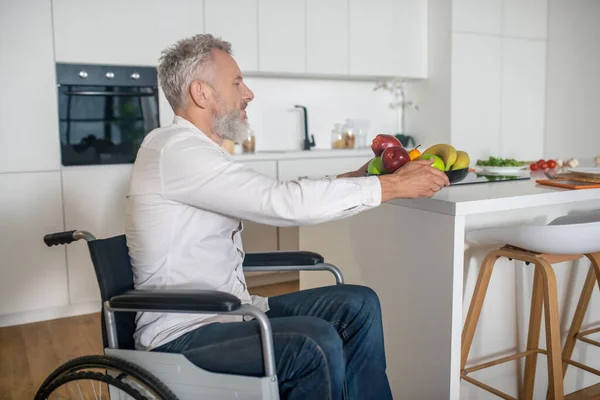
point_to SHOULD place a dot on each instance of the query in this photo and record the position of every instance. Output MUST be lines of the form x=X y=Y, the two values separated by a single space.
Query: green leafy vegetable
x=500 y=162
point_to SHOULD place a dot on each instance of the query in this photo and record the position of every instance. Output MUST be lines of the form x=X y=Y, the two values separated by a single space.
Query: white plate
x=585 y=171
x=501 y=170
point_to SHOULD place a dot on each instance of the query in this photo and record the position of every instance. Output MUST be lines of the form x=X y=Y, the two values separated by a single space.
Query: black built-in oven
x=105 y=112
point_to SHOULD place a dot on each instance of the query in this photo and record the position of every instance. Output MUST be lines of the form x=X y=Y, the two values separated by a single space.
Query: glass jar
x=249 y=143
x=349 y=134
x=337 y=138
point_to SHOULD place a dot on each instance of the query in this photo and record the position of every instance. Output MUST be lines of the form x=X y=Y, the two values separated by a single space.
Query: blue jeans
x=328 y=344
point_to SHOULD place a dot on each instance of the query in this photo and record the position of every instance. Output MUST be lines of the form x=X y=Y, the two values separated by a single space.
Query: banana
x=462 y=160
x=444 y=151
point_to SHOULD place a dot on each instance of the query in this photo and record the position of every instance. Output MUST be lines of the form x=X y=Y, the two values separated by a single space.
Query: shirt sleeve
x=204 y=177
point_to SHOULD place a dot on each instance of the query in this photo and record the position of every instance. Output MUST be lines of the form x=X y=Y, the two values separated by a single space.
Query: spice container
x=343 y=136
x=249 y=143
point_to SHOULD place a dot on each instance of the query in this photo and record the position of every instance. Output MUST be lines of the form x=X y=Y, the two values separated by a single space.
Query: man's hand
x=413 y=180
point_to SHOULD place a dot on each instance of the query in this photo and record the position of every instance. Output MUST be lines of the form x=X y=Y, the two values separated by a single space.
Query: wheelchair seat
x=166 y=376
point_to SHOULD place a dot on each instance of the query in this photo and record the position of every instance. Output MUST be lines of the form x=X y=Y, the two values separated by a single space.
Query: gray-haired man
x=185 y=206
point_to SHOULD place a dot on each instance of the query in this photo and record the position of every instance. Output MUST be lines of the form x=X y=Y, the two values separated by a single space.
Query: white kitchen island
x=413 y=253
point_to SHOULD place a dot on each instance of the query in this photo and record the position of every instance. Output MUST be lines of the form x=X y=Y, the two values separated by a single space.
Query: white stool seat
x=570 y=234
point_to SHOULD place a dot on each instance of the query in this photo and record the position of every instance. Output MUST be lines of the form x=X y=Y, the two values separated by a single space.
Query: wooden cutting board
x=571 y=181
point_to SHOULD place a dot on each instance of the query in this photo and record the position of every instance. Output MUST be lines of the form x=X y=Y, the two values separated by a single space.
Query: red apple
x=393 y=158
x=382 y=142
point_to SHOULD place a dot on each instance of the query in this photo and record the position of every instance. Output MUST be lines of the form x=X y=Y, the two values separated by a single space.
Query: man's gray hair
x=185 y=61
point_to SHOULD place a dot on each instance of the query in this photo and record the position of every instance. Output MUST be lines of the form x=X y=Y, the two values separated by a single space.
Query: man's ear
x=199 y=93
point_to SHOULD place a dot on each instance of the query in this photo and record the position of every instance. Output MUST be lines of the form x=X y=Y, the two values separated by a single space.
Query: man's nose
x=248 y=96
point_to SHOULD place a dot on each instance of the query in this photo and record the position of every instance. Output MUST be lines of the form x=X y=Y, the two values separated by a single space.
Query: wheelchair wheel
x=94 y=377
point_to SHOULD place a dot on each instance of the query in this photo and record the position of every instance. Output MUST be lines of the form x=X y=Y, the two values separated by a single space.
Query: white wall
x=278 y=125
x=573 y=79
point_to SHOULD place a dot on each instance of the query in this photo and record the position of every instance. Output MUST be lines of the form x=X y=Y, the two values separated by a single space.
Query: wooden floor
x=28 y=353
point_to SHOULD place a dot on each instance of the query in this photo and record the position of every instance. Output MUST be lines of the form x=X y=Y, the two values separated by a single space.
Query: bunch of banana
x=451 y=158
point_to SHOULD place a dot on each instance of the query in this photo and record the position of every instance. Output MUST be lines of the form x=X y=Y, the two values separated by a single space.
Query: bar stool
x=565 y=239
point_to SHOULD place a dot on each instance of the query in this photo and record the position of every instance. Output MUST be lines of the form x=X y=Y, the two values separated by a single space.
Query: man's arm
x=202 y=176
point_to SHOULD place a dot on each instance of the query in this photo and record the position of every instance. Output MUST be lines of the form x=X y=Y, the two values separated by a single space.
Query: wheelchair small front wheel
x=94 y=377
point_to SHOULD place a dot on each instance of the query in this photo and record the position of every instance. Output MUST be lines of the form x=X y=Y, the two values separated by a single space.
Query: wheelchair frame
x=185 y=379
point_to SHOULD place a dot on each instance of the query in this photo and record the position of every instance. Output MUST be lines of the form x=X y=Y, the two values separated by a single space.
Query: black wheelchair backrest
x=114 y=273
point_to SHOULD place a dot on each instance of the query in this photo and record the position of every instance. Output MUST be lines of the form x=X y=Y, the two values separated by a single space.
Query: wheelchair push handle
x=58 y=238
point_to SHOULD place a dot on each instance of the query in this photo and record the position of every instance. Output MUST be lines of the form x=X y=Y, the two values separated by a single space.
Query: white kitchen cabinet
x=319 y=167
x=240 y=28
x=371 y=25
x=478 y=16
x=476 y=87
x=94 y=201
x=410 y=47
x=327 y=37
x=388 y=38
x=523 y=99
x=130 y=32
x=525 y=19
x=282 y=36
x=33 y=276
x=267 y=167
x=29 y=139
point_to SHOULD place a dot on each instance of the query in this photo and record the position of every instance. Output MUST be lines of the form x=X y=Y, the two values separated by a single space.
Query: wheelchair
x=141 y=375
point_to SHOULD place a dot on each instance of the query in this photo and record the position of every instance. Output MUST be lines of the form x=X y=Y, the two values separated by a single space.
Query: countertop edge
x=472 y=207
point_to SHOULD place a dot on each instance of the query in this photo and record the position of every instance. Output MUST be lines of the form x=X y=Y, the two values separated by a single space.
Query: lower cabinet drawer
x=319 y=167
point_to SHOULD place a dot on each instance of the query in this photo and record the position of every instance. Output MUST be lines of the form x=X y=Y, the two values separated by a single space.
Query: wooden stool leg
x=595 y=260
x=555 y=379
x=533 y=336
x=582 y=305
x=481 y=287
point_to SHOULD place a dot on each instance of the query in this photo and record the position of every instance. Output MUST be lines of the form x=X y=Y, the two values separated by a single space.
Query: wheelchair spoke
x=94 y=389
x=71 y=389
x=79 y=387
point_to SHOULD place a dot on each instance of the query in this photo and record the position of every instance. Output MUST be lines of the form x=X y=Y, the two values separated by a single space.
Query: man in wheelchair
x=186 y=202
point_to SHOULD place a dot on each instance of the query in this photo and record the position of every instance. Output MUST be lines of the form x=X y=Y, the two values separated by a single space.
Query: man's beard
x=231 y=125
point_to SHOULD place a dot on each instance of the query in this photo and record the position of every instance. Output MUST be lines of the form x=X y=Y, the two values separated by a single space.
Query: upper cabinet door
x=478 y=16
x=475 y=102
x=371 y=26
x=282 y=36
x=525 y=19
x=236 y=22
x=122 y=32
x=523 y=99
x=411 y=26
x=29 y=139
x=327 y=37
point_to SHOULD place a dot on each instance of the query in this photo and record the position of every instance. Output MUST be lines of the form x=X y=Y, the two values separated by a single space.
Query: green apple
x=437 y=163
x=376 y=167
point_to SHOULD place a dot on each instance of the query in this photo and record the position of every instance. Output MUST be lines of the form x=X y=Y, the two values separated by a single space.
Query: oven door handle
x=101 y=93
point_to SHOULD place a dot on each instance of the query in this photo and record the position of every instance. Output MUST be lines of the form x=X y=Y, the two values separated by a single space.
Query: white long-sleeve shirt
x=186 y=202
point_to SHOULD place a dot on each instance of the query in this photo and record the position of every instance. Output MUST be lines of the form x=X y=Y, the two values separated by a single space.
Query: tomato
x=544 y=165
x=551 y=164
x=540 y=162
x=534 y=167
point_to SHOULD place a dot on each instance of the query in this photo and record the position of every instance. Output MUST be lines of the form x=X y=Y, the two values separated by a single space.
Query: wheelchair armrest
x=282 y=258
x=290 y=261
x=190 y=301
x=162 y=300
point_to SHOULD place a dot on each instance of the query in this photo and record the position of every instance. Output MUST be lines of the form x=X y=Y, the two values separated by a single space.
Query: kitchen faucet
x=307 y=143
